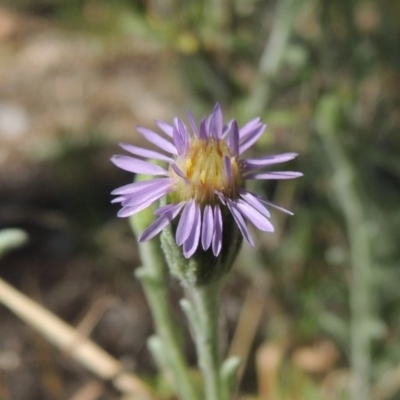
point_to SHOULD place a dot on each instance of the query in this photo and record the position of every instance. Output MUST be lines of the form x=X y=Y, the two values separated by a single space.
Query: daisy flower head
x=203 y=186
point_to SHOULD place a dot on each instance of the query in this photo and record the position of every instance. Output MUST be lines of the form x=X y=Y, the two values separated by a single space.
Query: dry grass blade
x=62 y=335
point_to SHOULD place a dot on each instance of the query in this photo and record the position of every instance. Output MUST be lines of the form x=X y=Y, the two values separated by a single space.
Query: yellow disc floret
x=204 y=167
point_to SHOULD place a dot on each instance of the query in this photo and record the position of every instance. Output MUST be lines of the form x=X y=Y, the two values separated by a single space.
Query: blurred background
x=315 y=313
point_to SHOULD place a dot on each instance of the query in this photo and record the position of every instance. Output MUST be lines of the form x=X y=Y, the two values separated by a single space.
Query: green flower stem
x=203 y=312
x=153 y=278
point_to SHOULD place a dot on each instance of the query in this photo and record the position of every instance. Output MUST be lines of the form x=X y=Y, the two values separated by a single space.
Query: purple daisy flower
x=205 y=174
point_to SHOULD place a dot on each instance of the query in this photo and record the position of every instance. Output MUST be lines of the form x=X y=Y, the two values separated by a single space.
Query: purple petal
x=250 y=126
x=156 y=139
x=193 y=123
x=216 y=122
x=186 y=222
x=240 y=221
x=148 y=192
x=164 y=209
x=178 y=141
x=184 y=133
x=221 y=197
x=274 y=175
x=234 y=139
x=137 y=186
x=251 y=139
x=160 y=223
x=228 y=167
x=207 y=227
x=203 y=130
x=256 y=218
x=209 y=128
x=227 y=128
x=217 y=236
x=254 y=163
x=179 y=172
x=137 y=166
x=126 y=211
x=252 y=200
x=139 y=151
x=119 y=199
x=262 y=200
x=192 y=242
x=166 y=128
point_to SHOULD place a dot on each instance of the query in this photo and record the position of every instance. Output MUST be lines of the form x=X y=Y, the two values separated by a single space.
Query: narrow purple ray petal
x=165 y=209
x=240 y=221
x=228 y=167
x=217 y=235
x=256 y=218
x=184 y=134
x=137 y=166
x=126 y=211
x=251 y=132
x=216 y=122
x=234 y=139
x=186 y=222
x=192 y=242
x=203 y=130
x=148 y=192
x=221 y=197
x=156 y=139
x=227 y=129
x=139 y=151
x=250 y=164
x=178 y=141
x=250 y=126
x=137 y=186
x=251 y=139
x=273 y=175
x=193 y=123
x=268 y=203
x=119 y=199
x=166 y=128
x=160 y=223
x=252 y=200
x=207 y=227
x=209 y=121
x=179 y=172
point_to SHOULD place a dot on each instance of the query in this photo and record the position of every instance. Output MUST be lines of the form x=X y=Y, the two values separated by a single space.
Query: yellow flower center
x=203 y=164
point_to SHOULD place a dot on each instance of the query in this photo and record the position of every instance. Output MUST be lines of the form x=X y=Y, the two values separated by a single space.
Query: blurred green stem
x=272 y=56
x=153 y=278
x=216 y=14
x=349 y=198
x=203 y=313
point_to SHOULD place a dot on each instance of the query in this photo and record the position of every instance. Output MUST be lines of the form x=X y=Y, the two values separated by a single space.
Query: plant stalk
x=203 y=313
x=153 y=277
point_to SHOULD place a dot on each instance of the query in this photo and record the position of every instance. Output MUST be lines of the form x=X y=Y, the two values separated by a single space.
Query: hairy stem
x=203 y=313
x=152 y=276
